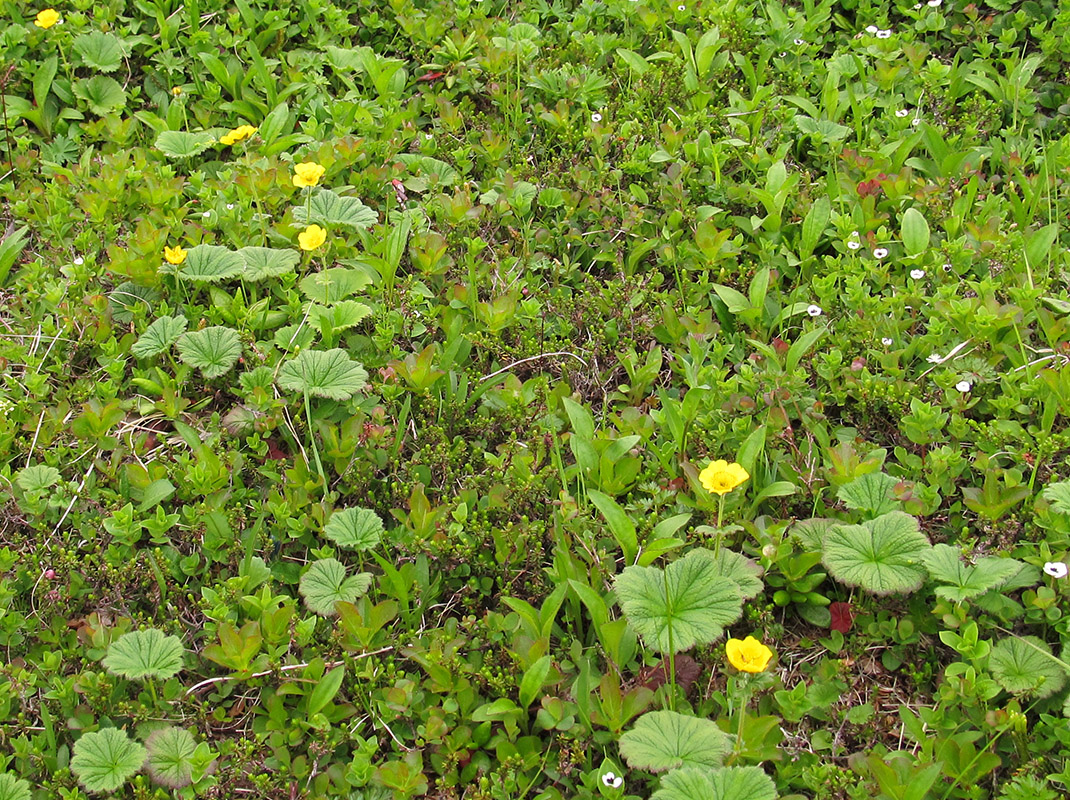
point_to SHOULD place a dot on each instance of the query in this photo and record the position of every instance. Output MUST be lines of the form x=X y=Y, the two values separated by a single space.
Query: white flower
x=933 y=3
x=800 y=42
x=429 y=136
x=917 y=274
x=681 y=7
x=230 y=206
x=884 y=34
x=880 y=252
x=612 y=780
x=947 y=268
x=935 y=358
x=206 y=214
x=917 y=6
x=813 y=311
x=782 y=54
x=872 y=29
x=78 y=261
x=1057 y=569
x=963 y=386
x=916 y=121
x=596 y=117
x=853 y=245
x=887 y=341
x=902 y=113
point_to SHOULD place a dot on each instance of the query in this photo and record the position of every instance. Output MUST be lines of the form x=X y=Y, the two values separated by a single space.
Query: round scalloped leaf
x=1024 y=665
x=967 y=580
x=340 y=317
x=213 y=351
x=810 y=533
x=159 y=336
x=171 y=752
x=746 y=572
x=103 y=95
x=37 y=478
x=145 y=654
x=331 y=374
x=883 y=555
x=262 y=263
x=331 y=285
x=182 y=144
x=354 y=528
x=104 y=760
x=326 y=583
x=127 y=297
x=332 y=210
x=729 y=783
x=101 y=51
x=702 y=603
x=664 y=740
x=210 y=263
x=873 y=493
x=13 y=788
x=1058 y=494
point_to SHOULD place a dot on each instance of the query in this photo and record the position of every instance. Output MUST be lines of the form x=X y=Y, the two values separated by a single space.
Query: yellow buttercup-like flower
x=720 y=477
x=311 y=237
x=174 y=255
x=239 y=134
x=46 y=18
x=748 y=655
x=308 y=173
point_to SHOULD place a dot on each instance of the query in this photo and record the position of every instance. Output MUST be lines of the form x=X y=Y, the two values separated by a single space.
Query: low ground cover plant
x=608 y=399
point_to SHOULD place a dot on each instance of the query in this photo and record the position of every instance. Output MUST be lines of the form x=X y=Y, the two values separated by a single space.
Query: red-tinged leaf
x=842 y=616
x=780 y=346
x=275 y=453
x=431 y=76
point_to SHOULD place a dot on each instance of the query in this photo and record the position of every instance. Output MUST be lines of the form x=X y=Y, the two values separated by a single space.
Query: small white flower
x=596 y=117
x=902 y=112
x=782 y=54
x=935 y=358
x=612 y=780
x=230 y=206
x=917 y=6
x=206 y=214
x=887 y=341
x=884 y=34
x=681 y=7
x=933 y=3
x=853 y=245
x=800 y=42
x=78 y=261
x=880 y=252
x=916 y=121
x=813 y=311
x=917 y=274
x=963 y=386
x=947 y=268
x=429 y=136
x=872 y=29
x=1057 y=569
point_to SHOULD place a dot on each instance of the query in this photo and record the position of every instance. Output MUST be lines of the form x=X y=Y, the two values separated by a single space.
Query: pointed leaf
x=620 y=525
x=213 y=351
x=331 y=374
x=326 y=583
x=209 y=263
x=1025 y=665
x=145 y=654
x=354 y=528
x=159 y=336
x=261 y=263
x=884 y=555
x=873 y=493
x=332 y=210
x=664 y=740
x=105 y=759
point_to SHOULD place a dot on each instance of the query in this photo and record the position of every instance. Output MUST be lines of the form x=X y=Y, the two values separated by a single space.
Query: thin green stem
x=720 y=516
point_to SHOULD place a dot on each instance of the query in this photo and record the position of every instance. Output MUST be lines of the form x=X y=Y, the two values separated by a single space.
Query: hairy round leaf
x=1025 y=665
x=101 y=51
x=128 y=297
x=883 y=555
x=13 y=788
x=102 y=95
x=331 y=374
x=213 y=351
x=746 y=572
x=326 y=583
x=728 y=783
x=171 y=752
x=145 y=654
x=262 y=263
x=105 y=759
x=332 y=210
x=209 y=263
x=873 y=493
x=334 y=284
x=664 y=740
x=946 y=566
x=698 y=605
x=159 y=336
x=339 y=317
x=182 y=144
x=37 y=478
x=354 y=528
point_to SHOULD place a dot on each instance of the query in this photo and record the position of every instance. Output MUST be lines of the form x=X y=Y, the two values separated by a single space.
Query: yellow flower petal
x=174 y=255
x=748 y=655
x=307 y=173
x=311 y=237
x=239 y=134
x=720 y=477
x=46 y=18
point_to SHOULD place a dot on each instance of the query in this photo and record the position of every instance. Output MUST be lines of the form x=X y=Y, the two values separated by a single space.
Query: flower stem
x=720 y=516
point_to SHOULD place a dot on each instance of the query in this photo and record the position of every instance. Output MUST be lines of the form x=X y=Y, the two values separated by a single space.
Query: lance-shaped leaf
x=209 y=263
x=883 y=555
x=331 y=374
x=946 y=566
x=332 y=210
x=159 y=336
x=1025 y=665
x=13 y=788
x=664 y=740
x=873 y=493
x=171 y=752
x=213 y=351
x=182 y=144
x=326 y=583
x=145 y=654
x=689 y=594
x=729 y=783
x=104 y=760
x=354 y=528
x=262 y=263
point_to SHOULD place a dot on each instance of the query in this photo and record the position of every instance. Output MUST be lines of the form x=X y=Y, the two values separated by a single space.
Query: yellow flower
x=46 y=18
x=720 y=477
x=311 y=237
x=176 y=91
x=307 y=173
x=174 y=255
x=748 y=655
x=238 y=134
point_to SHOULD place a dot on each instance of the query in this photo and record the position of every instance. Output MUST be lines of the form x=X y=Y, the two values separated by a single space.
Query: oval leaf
x=915 y=232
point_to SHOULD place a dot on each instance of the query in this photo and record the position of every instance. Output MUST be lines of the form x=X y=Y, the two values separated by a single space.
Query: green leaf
x=1039 y=243
x=105 y=759
x=331 y=210
x=728 y=783
x=699 y=605
x=873 y=493
x=145 y=654
x=11 y=248
x=334 y=284
x=664 y=740
x=745 y=572
x=823 y=129
x=1058 y=494
x=326 y=689
x=13 y=788
x=171 y=752
x=734 y=300
x=428 y=172
x=813 y=227
x=159 y=336
x=213 y=351
x=101 y=51
x=915 y=232
x=37 y=478
x=620 y=525
x=340 y=317
x=331 y=374
x=209 y=263
x=635 y=62
x=261 y=263
x=181 y=144
x=354 y=528
x=102 y=95
x=1025 y=666
x=883 y=555
x=946 y=566
x=533 y=680
x=127 y=297
x=326 y=583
